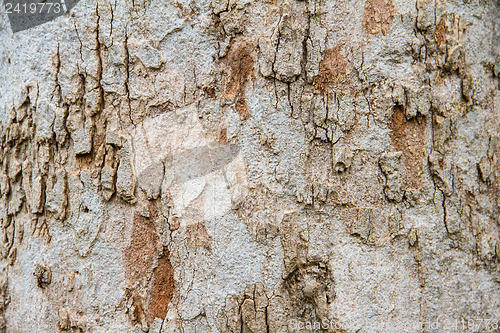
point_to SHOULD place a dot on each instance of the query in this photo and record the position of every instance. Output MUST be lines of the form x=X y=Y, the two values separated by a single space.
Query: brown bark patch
x=197 y=235
x=223 y=135
x=333 y=72
x=161 y=289
x=209 y=91
x=141 y=253
x=241 y=107
x=378 y=16
x=440 y=34
x=409 y=137
x=241 y=67
x=142 y=262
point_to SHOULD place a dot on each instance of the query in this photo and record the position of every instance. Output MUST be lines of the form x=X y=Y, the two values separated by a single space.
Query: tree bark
x=252 y=166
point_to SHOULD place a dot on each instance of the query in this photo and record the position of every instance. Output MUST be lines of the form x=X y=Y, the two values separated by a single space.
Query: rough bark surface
x=252 y=166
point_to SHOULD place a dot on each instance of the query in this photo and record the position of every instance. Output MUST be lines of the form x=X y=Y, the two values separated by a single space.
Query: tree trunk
x=252 y=166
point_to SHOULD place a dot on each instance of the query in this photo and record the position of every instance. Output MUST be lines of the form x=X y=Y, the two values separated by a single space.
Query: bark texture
x=252 y=166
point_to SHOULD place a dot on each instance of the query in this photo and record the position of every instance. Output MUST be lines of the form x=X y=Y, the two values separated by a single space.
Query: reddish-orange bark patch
x=333 y=72
x=241 y=66
x=161 y=289
x=141 y=253
x=142 y=261
x=409 y=137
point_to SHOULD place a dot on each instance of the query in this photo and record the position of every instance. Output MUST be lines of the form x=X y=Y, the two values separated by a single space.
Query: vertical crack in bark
x=127 y=76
